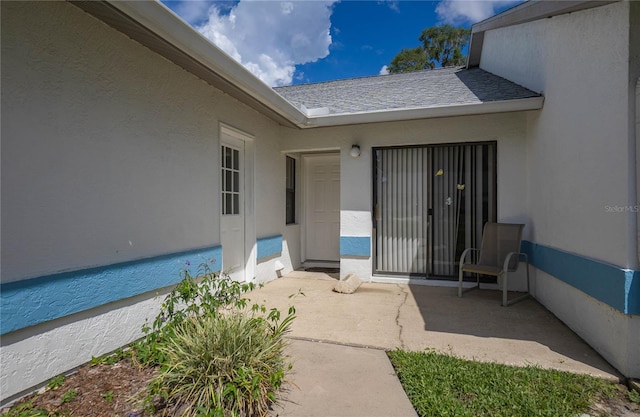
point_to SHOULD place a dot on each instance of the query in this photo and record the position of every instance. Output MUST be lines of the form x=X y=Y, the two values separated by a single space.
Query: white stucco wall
x=637 y=162
x=356 y=176
x=110 y=153
x=103 y=143
x=634 y=140
x=577 y=144
x=102 y=137
x=580 y=175
x=615 y=336
x=31 y=356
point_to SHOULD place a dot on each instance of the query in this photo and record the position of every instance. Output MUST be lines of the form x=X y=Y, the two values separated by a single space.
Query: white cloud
x=193 y=12
x=392 y=4
x=384 y=70
x=469 y=11
x=270 y=38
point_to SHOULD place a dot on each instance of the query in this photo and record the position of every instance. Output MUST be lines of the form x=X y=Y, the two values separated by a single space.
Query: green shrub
x=68 y=396
x=26 y=410
x=56 y=382
x=218 y=355
x=634 y=396
x=225 y=365
x=204 y=295
x=108 y=396
x=111 y=358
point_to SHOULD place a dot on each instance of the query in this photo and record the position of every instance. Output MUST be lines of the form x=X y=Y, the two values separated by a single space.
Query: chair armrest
x=465 y=253
x=507 y=260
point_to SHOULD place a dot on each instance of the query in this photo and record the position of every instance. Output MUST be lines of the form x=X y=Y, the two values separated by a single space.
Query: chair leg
x=506 y=302
x=504 y=289
x=461 y=289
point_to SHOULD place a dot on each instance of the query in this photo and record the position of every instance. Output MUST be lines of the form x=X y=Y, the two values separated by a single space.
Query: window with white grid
x=230 y=177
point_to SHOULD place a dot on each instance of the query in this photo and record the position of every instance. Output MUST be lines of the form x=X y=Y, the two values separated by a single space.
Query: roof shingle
x=420 y=89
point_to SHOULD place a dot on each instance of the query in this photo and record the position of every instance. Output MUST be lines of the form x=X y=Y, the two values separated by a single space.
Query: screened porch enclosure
x=430 y=203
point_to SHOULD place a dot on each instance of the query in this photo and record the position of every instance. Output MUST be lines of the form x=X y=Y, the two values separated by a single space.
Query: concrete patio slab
x=416 y=317
x=341 y=381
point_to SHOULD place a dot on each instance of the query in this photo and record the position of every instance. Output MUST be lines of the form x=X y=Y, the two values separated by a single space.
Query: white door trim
x=249 y=195
x=305 y=198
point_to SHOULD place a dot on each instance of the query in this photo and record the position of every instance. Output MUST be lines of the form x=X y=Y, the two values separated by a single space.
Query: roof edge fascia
x=160 y=20
x=504 y=106
x=528 y=11
x=534 y=10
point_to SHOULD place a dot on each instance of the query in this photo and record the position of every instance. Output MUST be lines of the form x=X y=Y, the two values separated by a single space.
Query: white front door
x=322 y=203
x=232 y=222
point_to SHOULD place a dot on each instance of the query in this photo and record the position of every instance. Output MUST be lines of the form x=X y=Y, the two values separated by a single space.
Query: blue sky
x=293 y=42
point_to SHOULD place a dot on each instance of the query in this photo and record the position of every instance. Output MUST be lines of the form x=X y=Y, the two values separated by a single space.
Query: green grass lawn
x=441 y=385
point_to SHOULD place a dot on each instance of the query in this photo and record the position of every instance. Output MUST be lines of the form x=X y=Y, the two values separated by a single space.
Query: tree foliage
x=441 y=45
x=409 y=60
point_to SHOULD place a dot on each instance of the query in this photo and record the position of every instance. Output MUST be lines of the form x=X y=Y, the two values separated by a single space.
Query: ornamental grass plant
x=218 y=355
x=225 y=365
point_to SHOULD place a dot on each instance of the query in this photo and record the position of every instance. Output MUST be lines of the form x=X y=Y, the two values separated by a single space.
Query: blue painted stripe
x=32 y=301
x=632 y=289
x=355 y=246
x=615 y=286
x=269 y=246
